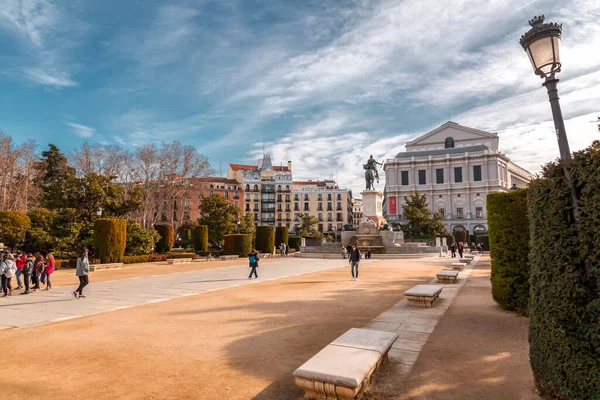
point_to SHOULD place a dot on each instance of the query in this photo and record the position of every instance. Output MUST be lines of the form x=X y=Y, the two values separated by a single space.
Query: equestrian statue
x=371 y=172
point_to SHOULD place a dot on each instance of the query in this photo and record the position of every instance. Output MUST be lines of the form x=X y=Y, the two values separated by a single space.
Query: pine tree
x=422 y=222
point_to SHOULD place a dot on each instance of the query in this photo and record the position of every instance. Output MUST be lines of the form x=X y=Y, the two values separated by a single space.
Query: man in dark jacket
x=27 y=271
x=354 y=258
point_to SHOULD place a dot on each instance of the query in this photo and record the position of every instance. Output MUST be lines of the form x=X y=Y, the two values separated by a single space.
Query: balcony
x=267 y=220
x=267 y=190
x=339 y=209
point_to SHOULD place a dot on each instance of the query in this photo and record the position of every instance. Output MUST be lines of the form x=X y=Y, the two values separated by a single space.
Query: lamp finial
x=537 y=20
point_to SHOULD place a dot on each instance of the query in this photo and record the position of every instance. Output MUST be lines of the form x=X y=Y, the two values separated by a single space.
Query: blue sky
x=323 y=83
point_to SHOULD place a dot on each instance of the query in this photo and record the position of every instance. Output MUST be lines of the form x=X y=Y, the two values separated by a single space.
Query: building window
x=449 y=144
x=256 y=188
x=459 y=213
x=278 y=197
x=442 y=212
x=247 y=207
x=296 y=197
x=479 y=212
x=422 y=177
x=247 y=188
x=320 y=207
x=306 y=207
x=439 y=175
x=339 y=196
x=320 y=197
x=329 y=197
x=296 y=207
x=305 y=197
x=477 y=173
x=458 y=174
x=404 y=177
x=329 y=206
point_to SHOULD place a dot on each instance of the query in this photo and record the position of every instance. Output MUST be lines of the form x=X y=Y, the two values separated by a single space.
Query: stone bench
x=423 y=295
x=447 y=276
x=465 y=260
x=101 y=267
x=172 y=261
x=458 y=266
x=470 y=257
x=225 y=258
x=344 y=369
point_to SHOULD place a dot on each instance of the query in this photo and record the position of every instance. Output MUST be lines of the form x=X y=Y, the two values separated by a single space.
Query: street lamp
x=99 y=212
x=542 y=45
x=238 y=224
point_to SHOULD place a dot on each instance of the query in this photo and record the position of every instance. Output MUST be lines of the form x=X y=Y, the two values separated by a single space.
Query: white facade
x=357 y=211
x=456 y=167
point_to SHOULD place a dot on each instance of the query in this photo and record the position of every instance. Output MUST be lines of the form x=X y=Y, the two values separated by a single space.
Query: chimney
x=289 y=165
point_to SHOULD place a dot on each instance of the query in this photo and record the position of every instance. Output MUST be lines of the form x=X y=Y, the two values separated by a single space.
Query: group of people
x=348 y=250
x=284 y=249
x=460 y=247
x=29 y=270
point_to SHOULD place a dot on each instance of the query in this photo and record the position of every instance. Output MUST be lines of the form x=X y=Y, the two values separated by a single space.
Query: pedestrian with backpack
x=253 y=263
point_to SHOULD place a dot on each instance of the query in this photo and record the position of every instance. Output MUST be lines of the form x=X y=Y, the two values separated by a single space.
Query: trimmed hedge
x=508 y=223
x=461 y=236
x=564 y=321
x=484 y=240
x=265 y=239
x=157 y=257
x=110 y=238
x=281 y=235
x=295 y=242
x=238 y=244
x=167 y=238
x=200 y=238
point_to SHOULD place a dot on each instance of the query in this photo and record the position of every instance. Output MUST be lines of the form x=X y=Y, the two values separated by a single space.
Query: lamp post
x=99 y=212
x=542 y=45
x=238 y=224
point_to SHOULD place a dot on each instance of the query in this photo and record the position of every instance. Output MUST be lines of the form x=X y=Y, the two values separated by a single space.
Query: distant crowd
x=460 y=247
x=32 y=271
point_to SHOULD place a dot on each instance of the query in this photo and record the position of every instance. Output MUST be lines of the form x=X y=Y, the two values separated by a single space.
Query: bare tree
x=17 y=173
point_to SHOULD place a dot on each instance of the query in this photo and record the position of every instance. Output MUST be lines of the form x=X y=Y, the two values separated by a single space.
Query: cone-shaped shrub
x=167 y=238
x=265 y=239
x=110 y=238
x=200 y=238
x=238 y=244
x=461 y=236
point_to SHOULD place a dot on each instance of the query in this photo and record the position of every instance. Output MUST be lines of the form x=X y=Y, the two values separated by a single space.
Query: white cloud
x=49 y=77
x=81 y=130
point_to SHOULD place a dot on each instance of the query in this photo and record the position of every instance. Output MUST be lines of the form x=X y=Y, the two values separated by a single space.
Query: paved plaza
x=44 y=307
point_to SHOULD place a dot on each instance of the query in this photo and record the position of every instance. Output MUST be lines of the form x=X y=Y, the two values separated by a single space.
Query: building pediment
x=458 y=133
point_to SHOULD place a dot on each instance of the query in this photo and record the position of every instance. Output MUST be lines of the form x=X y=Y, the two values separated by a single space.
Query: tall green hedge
x=167 y=238
x=295 y=242
x=564 y=335
x=200 y=238
x=461 y=236
x=509 y=245
x=265 y=239
x=281 y=235
x=238 y=244
x=110 y=238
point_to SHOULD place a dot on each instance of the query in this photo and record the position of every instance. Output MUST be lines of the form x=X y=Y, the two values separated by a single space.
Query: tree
x=247 y=224
x=422 y=222
x=308 y=226
x=140 y=240
x=220 y=216
x=54 y=171
x=17 y=189
x=13 y=225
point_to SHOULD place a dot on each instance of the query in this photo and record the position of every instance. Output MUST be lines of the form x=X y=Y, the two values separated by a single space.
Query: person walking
x=27 y=272
x=82 y=270
x=282 y=249
x=49 y=270
x=453 y=249
x=38 y=268
x=20 y=262
x=343 y=252
x=253 y=263
x=8 y=270
x=460 y=249
x=354 y=258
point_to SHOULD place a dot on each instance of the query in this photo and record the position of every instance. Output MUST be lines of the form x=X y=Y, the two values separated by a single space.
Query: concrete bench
x=470 y=257
x=447 y=276
x=465 y=260
x=423 y=295
x=101 y=267
x=458 y=266
x=225 y=258
x=344 y=369
x=172 y=261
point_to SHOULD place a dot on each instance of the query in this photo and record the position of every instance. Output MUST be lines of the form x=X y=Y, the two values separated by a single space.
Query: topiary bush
x=200 y=238
x=295 y=242
x=508 y=224
x=281 y=235
x=167 y=238
x=484 y=240
x=564 y=312
x=110 y=238
x=461 y=236
x=238 y=244
x=265 y=239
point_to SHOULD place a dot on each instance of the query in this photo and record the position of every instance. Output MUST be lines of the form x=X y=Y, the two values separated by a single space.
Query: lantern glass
x=544 y=55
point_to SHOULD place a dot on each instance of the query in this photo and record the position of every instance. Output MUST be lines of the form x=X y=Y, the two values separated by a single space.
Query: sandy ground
x=477 y=351
x=67 y=277
x=237 y=343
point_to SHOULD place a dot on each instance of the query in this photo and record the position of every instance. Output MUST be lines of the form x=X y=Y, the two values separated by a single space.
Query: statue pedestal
x=373 y=206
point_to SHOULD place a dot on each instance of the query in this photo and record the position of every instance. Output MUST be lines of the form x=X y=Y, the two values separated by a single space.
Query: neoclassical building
x=456 y=167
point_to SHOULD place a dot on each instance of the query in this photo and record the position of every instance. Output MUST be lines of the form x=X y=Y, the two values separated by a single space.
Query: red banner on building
x=393 y=205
